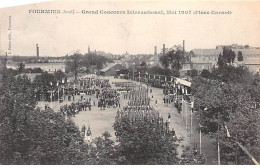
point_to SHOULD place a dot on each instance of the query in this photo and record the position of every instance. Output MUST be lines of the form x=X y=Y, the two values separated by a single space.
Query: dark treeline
x=227 y=102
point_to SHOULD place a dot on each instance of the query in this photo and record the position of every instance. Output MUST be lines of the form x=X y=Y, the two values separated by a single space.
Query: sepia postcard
x=130 y=83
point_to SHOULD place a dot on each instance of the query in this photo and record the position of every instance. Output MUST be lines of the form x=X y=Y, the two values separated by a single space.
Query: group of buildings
x=198 y=59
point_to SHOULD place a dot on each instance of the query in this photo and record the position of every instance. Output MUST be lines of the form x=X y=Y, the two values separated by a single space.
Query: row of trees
x=89 y=63
x=174 y=58
x=228 y=100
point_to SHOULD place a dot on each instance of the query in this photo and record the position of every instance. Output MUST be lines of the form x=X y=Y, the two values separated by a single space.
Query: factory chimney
x=155 y=56
x=88 y=50
x=163 y=49
x=183 y=45
x=37 y=51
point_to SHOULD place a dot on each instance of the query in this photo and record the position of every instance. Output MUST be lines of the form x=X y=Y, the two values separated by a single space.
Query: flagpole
x=243 y=148
x=200 y=127
x=218 y=142
x=248 y=154
x=186 y=120
x=58 y=92
x=190 y=123
x=236 y=150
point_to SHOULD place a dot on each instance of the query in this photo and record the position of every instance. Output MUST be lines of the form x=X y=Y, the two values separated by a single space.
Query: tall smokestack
x=163 y=49
x=155 y=50
x=155 y=56
x=88 y=50
x=183 y=45
x=37 y=51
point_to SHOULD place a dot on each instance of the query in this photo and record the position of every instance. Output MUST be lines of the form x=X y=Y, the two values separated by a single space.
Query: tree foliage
x=227 y=58
x=20 y=67
x=145 y=141
x=240 y=56
x=73 y=65
x=173 y=58
x=236 y=108
x=30 y=135
x=160 y=71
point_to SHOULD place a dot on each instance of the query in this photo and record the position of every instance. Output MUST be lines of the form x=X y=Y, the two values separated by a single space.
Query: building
x=48 y=67
x=207 y=58
x=112 y=69
x=253 y=64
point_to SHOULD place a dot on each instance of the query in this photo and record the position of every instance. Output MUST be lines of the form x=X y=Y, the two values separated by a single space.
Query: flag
x=228 y=134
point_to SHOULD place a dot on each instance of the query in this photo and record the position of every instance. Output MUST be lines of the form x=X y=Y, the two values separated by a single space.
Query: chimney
x=155 y=56
x=37 y=51
x=183 y=45
x=88 y=50
x=163 y=49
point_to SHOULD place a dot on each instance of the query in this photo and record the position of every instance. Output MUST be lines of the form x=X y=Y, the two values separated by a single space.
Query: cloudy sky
x=59 y=34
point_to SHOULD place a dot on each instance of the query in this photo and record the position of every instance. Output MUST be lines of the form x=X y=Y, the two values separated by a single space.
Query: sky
x=59 y=34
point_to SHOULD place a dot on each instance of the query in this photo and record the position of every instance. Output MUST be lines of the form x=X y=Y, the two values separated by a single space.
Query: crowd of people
x=92 y=92
x=107 y=98
x=138 y=110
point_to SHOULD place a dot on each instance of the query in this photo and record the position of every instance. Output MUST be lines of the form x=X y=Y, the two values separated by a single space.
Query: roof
x=207 y=52
x=255 y=61
x=249 y=51
x=216 y=52
x=110 y=66
x=183 y=82
x=203 y=60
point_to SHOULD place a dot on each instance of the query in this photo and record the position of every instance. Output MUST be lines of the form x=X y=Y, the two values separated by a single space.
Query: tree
x=193 y=73
x=20 y=67
x=160 y=71
x=246 y=46
x=143 y=63
x=59 y=75
x=206 y=74
x=144 y=140
x=240 y=56
x=229 y=105
x=30 y=135
x=105 y=150
x=174 y=58
x=74 y=64
x=227 y=58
